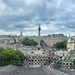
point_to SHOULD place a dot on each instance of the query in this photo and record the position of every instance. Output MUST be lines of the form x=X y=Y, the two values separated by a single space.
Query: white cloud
x=34 y=2
x=54 y=16
x=30 y=29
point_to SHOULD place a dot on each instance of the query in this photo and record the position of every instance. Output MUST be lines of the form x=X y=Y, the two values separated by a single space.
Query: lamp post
x=63 y=56
x=68 y=61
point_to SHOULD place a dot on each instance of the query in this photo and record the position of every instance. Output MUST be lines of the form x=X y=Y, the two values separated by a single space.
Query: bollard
x=41 y=64
x=27 y=65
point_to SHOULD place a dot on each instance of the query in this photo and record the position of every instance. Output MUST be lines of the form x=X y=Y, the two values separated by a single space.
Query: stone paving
x=70 y=72
x=7 y=70
x=13 y=70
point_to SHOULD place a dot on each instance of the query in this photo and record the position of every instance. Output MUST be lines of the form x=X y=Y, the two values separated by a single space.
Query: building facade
x=71 y=43
x=50 y=40
x=6 y=40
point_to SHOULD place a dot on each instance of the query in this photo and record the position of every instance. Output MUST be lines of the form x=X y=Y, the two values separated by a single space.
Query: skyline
x=54 y=17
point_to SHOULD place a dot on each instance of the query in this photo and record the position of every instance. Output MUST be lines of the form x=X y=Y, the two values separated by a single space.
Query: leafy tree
x=1 y=49
x=41 y=42
x=65 y=43
x=62 y=44
x=29 y=42
x=10 y=56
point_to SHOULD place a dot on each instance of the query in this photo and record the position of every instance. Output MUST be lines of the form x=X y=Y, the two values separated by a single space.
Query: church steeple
x=21 y=36
x=21 y=33
x=69 y=40
x=69 y=35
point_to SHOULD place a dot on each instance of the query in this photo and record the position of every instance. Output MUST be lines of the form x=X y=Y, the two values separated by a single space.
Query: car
x=43 y=53
x=32 y=52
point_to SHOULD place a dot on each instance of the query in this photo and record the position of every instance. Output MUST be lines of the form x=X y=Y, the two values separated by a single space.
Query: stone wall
x=71 y=46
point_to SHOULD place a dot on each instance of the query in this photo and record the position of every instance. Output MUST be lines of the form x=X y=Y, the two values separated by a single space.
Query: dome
x=69 y=40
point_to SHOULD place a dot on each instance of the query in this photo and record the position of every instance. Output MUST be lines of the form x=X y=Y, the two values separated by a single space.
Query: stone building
x=6 y=40
x=50 y=40
x=19 y=38
x=53 y=40
x=71 y=43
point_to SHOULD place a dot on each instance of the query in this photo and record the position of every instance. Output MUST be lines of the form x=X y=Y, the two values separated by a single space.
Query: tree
x=1 y=49
x=29 y=42
x=41 y=42
x=10 y=56
x=65 y=43
x=62 y=44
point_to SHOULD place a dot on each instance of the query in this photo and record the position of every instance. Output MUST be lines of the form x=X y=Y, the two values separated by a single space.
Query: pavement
x=16 y=70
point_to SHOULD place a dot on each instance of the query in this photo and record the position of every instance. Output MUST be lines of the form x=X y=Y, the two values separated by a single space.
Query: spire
x=21 y=36
x=69 y=40
x=69 y=35
x=21 y=32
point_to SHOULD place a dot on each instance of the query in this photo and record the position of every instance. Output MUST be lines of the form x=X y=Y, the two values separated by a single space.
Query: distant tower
x=21 y=32
x=21 y=36
x=39 y=37
x=69 y=35
x=69 y=40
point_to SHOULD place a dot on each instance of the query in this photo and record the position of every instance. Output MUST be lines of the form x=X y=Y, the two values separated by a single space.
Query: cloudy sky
x=54 y=16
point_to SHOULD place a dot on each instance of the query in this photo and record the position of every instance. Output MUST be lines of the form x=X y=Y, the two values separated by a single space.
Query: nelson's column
x=39 y=38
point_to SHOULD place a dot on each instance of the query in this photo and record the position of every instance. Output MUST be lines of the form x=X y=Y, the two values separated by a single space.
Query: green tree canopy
x=29 y=42
x=62 y=44
x=1 y=49
x=41 y=42
x=10 y=56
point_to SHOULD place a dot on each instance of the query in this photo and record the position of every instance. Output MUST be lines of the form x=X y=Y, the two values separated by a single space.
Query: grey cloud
x=44 y=12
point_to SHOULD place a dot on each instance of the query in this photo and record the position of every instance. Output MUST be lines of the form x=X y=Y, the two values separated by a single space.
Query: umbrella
x=29 y=48
x=24 y=48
